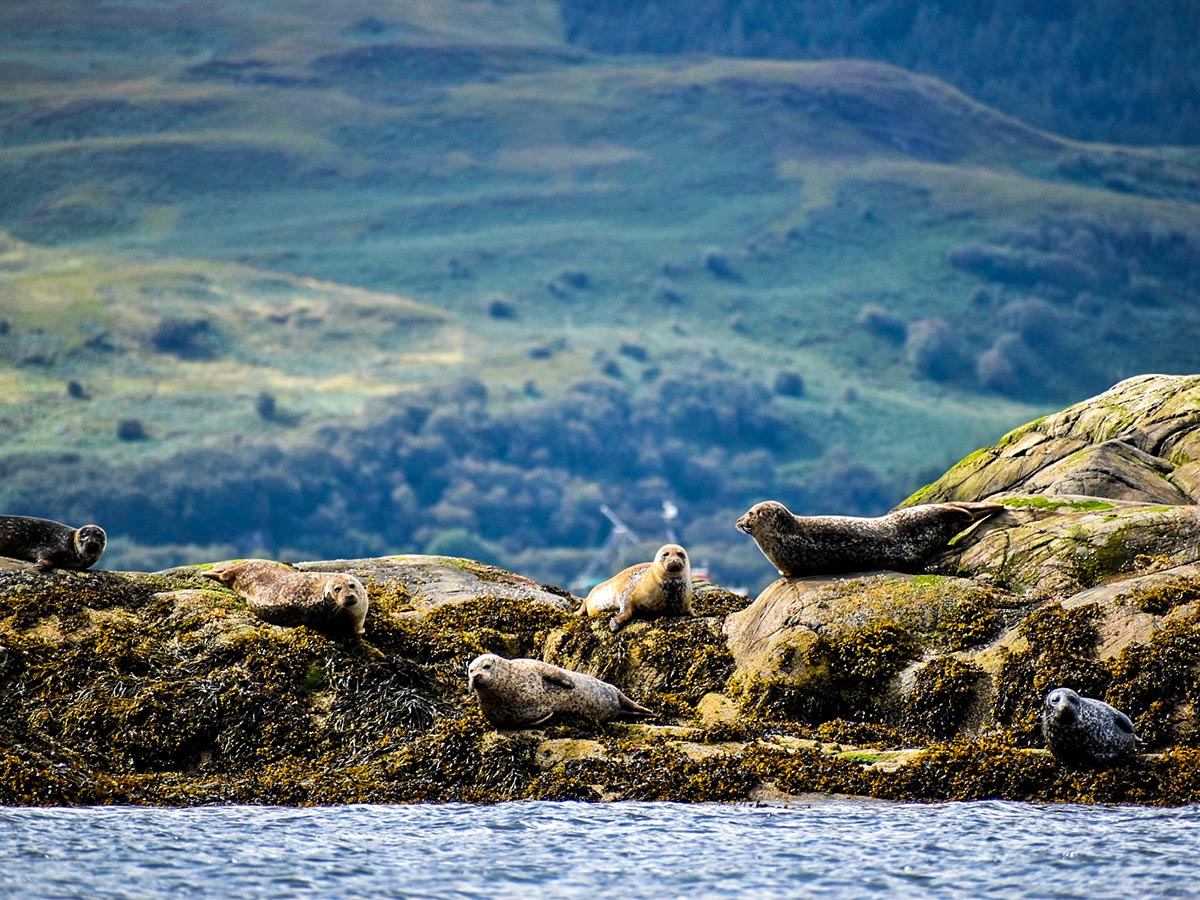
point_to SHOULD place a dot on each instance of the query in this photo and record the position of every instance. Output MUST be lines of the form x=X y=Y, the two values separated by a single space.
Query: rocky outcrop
x=126 y=687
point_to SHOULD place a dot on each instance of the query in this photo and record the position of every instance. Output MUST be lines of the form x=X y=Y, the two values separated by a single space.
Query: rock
x=1138 y=441
x=431 y=582
x=136 y=688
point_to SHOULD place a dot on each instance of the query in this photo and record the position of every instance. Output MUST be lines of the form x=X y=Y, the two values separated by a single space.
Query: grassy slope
x=295 y=173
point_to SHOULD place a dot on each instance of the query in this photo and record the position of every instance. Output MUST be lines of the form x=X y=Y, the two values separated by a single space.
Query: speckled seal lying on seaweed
x=525 y=693
x=1080 y=731
x=329 y=602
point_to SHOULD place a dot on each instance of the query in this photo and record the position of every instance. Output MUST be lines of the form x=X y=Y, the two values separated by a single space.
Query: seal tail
x=632 y=707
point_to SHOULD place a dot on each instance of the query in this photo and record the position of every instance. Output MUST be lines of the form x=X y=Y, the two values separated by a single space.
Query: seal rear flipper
x=224 y=574
x=977 y=509
x=632 y=706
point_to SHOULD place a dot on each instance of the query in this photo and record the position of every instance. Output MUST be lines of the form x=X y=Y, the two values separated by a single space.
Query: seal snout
x=1063 y=704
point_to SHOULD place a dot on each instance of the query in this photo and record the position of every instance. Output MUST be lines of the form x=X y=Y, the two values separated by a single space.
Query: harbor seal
x=660 y=588
x=329 y=602
x=903 y=540
x=49 y=544
x=526 y=693
x=1082 y=732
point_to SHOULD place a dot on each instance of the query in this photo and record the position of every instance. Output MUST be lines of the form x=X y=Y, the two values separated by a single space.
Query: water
x=830 y=849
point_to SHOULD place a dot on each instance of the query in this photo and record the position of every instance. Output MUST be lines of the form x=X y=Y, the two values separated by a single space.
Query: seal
x=49 y=544
x=903 y=540
x=1081 y=732
x=660 y=588
x=526 y=693
x=329 y=602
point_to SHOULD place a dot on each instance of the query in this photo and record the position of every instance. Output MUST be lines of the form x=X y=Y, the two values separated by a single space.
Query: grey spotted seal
x=903 y=540
x=526 y=693
x=49 y=544
x=1081 y=732
x=329 y=602
x=662 y=587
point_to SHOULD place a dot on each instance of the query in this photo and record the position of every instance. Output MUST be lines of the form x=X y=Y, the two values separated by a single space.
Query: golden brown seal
x=49 y=544
x=525 y=693
x=903 y=540
x=659 y=588
x=329 y=602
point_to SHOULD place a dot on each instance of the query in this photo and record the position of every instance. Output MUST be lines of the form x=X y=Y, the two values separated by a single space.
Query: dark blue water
x=830 y=849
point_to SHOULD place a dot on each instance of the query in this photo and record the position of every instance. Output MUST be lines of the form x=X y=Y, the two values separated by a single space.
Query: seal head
x=90 y=541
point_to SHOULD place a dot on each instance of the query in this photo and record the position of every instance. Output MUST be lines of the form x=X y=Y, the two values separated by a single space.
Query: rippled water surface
x=831 y=849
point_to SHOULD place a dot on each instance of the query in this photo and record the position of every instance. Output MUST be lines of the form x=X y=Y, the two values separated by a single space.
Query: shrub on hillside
x=933 y=350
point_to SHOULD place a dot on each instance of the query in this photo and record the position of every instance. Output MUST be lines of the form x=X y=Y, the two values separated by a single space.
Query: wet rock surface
x=162 y=688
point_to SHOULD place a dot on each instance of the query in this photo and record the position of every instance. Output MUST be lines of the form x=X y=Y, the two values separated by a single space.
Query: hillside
x=317 y=281
x=1103 y=71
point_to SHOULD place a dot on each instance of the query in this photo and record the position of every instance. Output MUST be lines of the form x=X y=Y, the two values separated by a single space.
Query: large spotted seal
x=659 y=588
x=525 y=693
x=329 y=602
x=903 y=540
x=1082 y=732
x=49 y=544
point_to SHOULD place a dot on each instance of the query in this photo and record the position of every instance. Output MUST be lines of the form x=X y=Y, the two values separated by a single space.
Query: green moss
x=967 y=770
x=710 y=600
x=1047 y=504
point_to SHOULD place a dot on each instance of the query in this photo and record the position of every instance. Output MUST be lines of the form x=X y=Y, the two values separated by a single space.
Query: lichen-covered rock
x=421 y=584
x=1138 y=441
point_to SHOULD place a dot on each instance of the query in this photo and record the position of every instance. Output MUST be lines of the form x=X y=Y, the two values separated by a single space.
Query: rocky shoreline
x=162 y=688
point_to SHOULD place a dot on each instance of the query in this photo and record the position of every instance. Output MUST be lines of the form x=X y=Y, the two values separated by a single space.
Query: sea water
x=826 y=849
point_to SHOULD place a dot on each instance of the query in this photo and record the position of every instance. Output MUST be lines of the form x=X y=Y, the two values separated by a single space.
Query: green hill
x=1104 y=70
x=370 y=278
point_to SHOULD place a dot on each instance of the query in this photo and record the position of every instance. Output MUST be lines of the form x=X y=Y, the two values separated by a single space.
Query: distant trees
x=452 y=472
x=1091 y=69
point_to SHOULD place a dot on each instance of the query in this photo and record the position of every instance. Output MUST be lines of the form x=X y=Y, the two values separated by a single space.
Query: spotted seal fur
x=1082 y=732
x=49 y=544
x=526 y=693
x=329 y=602
x=903 y=540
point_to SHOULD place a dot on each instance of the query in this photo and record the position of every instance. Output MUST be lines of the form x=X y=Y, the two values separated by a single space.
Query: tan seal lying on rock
x=903 y=540
x=525 y=693
x=659 y=588
x=49 y=544
x=329 y=602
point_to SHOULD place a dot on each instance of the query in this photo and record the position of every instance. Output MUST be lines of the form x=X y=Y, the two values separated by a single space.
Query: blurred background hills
x=315 y=280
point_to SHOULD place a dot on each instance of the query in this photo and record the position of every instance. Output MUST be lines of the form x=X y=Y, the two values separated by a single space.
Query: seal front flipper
x=557 y=679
